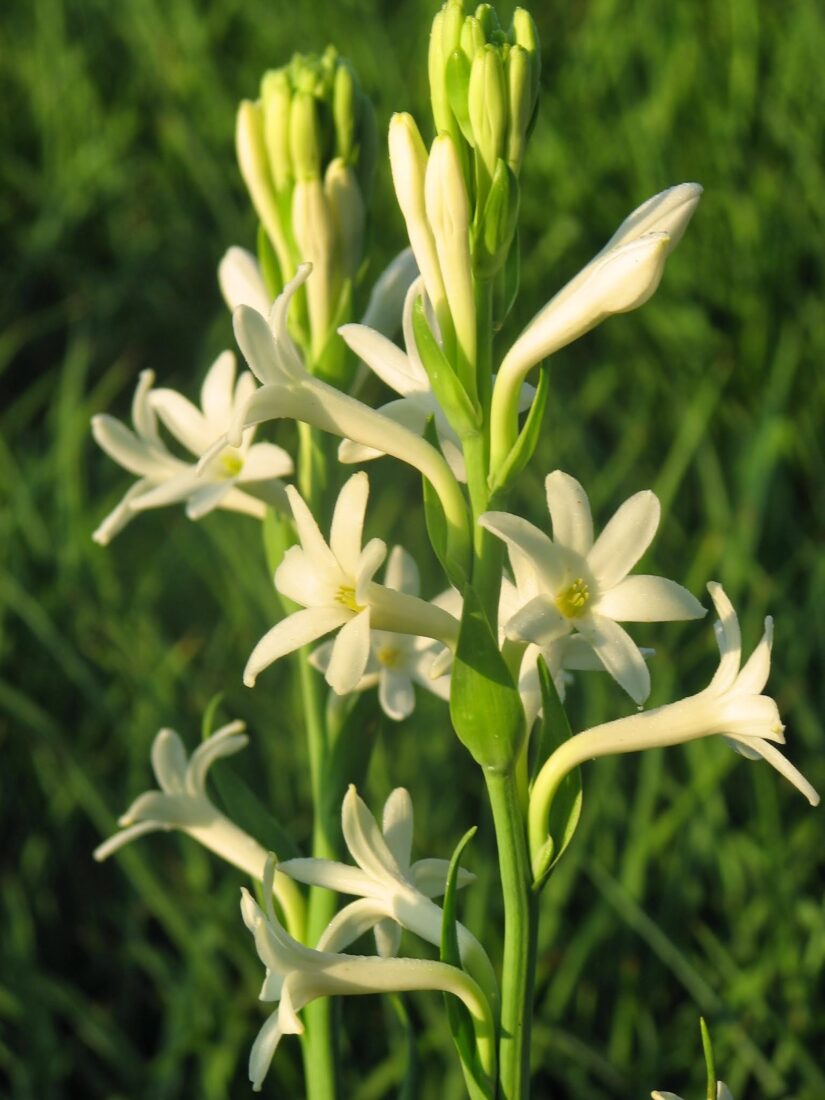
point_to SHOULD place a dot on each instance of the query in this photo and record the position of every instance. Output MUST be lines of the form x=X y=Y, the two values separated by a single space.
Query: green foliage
x=694 y=880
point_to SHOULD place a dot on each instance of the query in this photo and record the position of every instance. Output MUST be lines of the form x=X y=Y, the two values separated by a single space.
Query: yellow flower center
x=573 y=599
x=231 y=463
x=346 y=596
x=388 y=655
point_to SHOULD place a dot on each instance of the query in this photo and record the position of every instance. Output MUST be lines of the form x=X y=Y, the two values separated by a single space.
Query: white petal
x=169 y=811
x=728 y=637
x=291 y=633
x=350 y=652
x=263 y=1050
x=143 y=415
x=429 y=877
x=619 y=654
x=538 y=621
x=172 y=491
x=123 y=837
x=624 y=539
x=241 y=282
x=366 y=567
x=570 y=512
x=348 y=522
x=384 y=359
x=207 y=498
x=748 y=715
x=409 y=412
x=775 y=758
x=351 y=923
x=186 y=423
x=402 y=572
x=258 y=346
x=139 y=457
x=289 y=356
x=383 y=312
x=121 y=514
x=330 y=874
x=216 y=391
x=264 y=461
x=299 y=580
x=397 y=825
x=313 y=542
x=754 y=675
x=169 y=762
x=547 y=561
x=396 y=694
x=226 y=741
x=387 y=938
x=722 y=1090
x=668 y=212
x=364 y=839
x=644 y=599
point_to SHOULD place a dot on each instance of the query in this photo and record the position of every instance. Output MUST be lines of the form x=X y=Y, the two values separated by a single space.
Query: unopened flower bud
x=304 y=137
x=275 y=100
x=346 y=206
x=254 y=164
x=343 y=111
x=498 y=222
x=487 y=107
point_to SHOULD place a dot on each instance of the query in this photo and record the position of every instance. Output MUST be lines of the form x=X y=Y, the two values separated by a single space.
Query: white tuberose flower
x=296 y=975
x=570 y=582
x=731 y=705
x=333 y=584
x=396 y=661
x=722 y=1093
x=167 y=479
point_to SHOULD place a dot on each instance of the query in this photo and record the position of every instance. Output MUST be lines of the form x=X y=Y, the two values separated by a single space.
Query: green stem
x=520 y=929
x=320 y=1039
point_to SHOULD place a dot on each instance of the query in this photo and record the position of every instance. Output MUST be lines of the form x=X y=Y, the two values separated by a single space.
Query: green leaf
x=485 y=705
x=567 y=803
x=410 y=1085
x=710 y=1067
x=463 y=413
x=458 y=1017
x=506 y=284
x=208 y=722
x=524 y=447
x=248 y=812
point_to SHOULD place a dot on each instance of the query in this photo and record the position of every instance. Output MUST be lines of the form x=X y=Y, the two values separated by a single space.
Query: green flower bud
x=497 y=225
x=523 y=33
x=521 y=104
x=490 y=26
x=458 y=92
x=254 y=164
x=304 y=137
x=346 y=205
x=488 y=114
x=275 y=100
x=472 y=37
x=343 y=111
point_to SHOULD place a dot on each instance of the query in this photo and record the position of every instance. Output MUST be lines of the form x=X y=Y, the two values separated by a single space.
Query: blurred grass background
x=695 y=882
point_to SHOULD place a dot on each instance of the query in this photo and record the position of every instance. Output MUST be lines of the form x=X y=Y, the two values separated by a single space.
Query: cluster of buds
x=306 y=151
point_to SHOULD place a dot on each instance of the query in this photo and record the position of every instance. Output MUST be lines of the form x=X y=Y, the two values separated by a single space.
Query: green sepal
x=506 y=284
x=528 y=438
x=479 y=1087
x=458 y=89
x=496 y=229
x=436 y=521
x=268 y=263
x=248 y=812
x=485 y=705
x=463 y=413
x=566 y=807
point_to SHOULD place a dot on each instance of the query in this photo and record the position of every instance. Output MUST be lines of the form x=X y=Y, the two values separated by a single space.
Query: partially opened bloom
x=333 y=584
x=731 y=705
x=621 y=277
x=722 y=1093
x=296 y=975
x=394 y=893
x=244 y=478
x=396 y=661
x=570 y=582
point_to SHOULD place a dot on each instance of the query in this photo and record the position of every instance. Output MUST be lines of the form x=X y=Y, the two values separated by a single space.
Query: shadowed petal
x=547 y=561
x=169 y=762
x=385 y=359
x=350 y=653
x=184 y=420
x=396 y=694
x=538 y=621
x=207 y=498
x=265 y=461
x=619 y=654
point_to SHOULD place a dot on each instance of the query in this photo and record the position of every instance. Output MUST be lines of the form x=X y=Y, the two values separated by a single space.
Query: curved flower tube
x=621 y=277
x=183 y=803
x=731 y=705
x=296 y=975
x=395 y=893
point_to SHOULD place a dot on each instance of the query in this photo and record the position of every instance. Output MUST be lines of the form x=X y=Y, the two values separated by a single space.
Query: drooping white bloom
x=722 y=1093
x=393 y=892
x=396 y=661
x=570 y=582
x=296 y=975
x=333 y=584
x=731 y=705
x=621 y=277
x=241 y=479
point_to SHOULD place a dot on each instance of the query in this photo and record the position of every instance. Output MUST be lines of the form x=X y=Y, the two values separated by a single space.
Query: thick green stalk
x=520 y=929
x=320 y=1042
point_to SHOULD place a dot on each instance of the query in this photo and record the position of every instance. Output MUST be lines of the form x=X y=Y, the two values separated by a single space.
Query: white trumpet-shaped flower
x=333 y=584
x=731 y=705
x=397 y=661
x=570 y=582
x=393 y=893
x=297 y=975
x=722 y=1093
x=244 y=478
x=621 y=277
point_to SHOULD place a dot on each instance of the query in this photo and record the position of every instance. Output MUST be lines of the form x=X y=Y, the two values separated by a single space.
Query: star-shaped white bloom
x=183 y=802
x=297 y=975
x=333 y=584
x=570 y=582
x=396 y=661
x=722 y=1093
x=241 y=479
x=394 y=893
